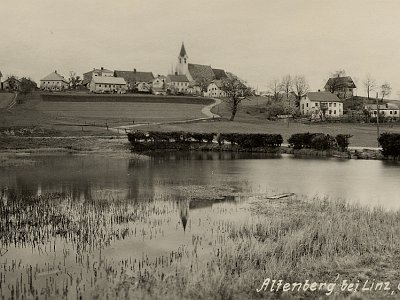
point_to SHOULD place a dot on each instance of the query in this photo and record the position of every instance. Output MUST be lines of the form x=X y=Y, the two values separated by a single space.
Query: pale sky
x=258 y=40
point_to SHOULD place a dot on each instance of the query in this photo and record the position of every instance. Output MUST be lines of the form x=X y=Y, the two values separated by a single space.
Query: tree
x=287 y=85
x=275 y=90
x=27 y=85
x=74 y=80
x=236 y=91
x=203 y=83
x=386 y=90
x=369 y=85
x=300 y=87
x=12 y=82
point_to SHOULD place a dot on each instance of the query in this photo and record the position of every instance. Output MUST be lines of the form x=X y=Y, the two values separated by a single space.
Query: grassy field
x=5 y=99
x=294 y=241
x=69 y=116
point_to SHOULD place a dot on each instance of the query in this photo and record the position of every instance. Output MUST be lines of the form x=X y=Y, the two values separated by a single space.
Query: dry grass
x=293 y=241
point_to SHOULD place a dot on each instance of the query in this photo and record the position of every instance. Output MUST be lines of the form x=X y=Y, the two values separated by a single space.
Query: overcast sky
x=258 y=40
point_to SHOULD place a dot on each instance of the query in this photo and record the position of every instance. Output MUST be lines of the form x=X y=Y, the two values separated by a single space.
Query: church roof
x=199 y=72
x=178 y=78
x=134 y=76
x=182 y=53
x=219 y=74
x=53 y=77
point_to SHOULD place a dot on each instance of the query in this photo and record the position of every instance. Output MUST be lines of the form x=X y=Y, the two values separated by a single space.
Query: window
x=334 y=104
x=316 y=104
x=395 y=112
x=330 y=112
x=302 y=106
x=334 y=112
x=330 y=104
x=391 y=112
x=307 y=104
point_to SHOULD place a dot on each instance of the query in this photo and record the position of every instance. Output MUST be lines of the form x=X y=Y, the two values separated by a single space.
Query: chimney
x=134 y=70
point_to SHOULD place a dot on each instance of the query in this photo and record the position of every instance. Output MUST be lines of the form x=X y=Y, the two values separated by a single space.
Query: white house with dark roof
x=388 y=110
x=320 y=104
x=54 y=82
x=196 y=73
x=178 y=82
x=214 y=89
x=107 y=84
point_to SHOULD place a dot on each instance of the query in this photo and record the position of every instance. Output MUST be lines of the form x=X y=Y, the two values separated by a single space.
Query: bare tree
x=236 y=91
x=386 y=90
x=300 y=87
x=338 y=73
x=74 y=80
x=275 y=90
x=287 y=85
x=369 y=85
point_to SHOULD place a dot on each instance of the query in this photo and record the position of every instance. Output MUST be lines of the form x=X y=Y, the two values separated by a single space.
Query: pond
x=75 y=226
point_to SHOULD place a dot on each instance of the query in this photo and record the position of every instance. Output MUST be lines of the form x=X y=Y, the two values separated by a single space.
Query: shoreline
x=119 y=145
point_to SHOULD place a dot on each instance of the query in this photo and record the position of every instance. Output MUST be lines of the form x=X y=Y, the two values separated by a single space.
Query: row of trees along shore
x=390 y=142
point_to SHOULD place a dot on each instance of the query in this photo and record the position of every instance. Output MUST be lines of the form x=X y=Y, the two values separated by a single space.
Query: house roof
x=98 y=71
x=108 y=80
x=178 y=78
x=218 y=83
x=134 y=76
x=53 y=77
x=323 y=97
x=199 y=72
x=344 y=81
x=386 y=106
x=182 y=53
x=219 y=74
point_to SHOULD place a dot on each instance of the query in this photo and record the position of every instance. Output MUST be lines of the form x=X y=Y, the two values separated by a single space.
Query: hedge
x=319 y=141
x=390 y=143
x=243 y=140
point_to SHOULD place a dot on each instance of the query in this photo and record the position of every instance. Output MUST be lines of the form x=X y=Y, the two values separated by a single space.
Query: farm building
x=53 y=82
x=179 y=83
x=388 y=110
x=321 y=104
x=11 y=84
x=343 y=87
x=133 y=78
x=87 y=77
x=214 y=89
x=107 y=84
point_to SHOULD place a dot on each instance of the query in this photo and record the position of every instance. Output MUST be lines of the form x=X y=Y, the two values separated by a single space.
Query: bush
x=342 y=141
x=251 y=140
x=318 y=141
x=390 y=143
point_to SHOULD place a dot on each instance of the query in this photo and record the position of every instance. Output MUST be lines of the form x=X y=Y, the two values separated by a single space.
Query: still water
x=117 y=216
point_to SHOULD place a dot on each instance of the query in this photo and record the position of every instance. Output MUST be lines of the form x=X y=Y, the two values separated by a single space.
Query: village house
x=343 y=86
x=53 y=82
x=11 y=84
x=321 y=105
x=178 y=83
x=107 y=84
x=134 y=78
x=214 y=89
x=197 y=74
x=387 y=110
x=159 y=85
x=87 y=77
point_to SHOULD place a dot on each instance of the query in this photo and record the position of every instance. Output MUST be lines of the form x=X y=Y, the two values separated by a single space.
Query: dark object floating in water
x=279 y=196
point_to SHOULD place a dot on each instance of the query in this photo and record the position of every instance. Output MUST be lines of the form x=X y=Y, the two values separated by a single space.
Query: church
x=198 y=75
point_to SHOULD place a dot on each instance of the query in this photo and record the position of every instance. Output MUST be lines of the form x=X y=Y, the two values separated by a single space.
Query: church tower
x=182 y=66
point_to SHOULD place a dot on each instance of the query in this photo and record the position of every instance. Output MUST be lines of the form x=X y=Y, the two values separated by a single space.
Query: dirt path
x=205 y=111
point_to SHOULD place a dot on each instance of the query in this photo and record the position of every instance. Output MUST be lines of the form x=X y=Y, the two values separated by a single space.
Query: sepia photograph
x=185 y=149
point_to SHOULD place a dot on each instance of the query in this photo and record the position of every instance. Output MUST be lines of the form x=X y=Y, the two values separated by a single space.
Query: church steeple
x=182 y=53
x=182 y=66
